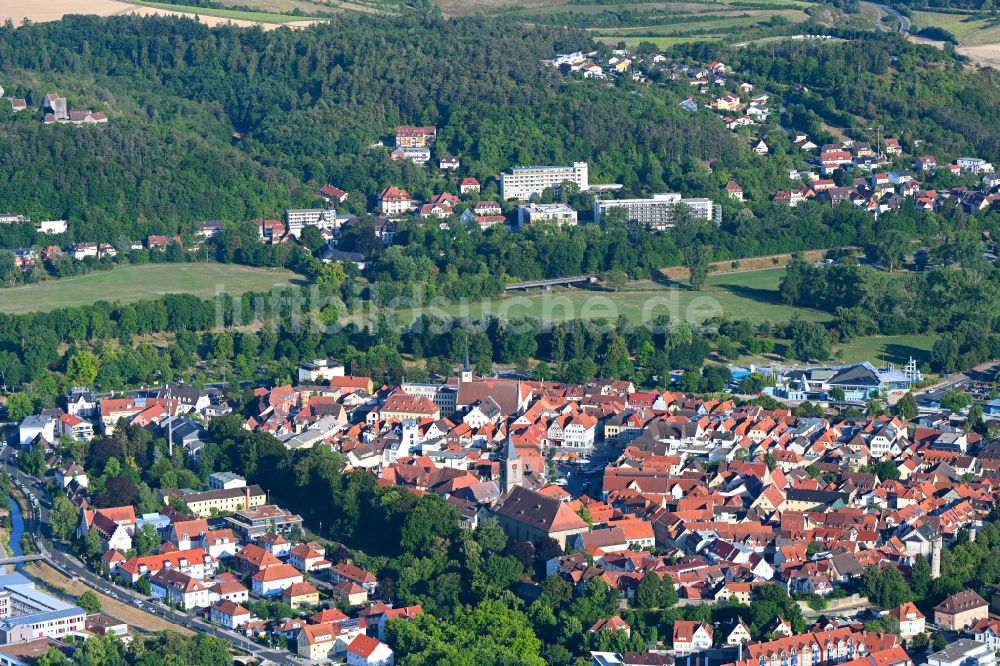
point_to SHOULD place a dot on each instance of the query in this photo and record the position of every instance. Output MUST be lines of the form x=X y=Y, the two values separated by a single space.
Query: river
x=16 y=530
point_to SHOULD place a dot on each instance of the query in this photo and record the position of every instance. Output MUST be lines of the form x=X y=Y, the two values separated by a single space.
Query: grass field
x=962 y=26
x=888 y=348
x=751 y=295
x=127 y=284
x=238 y=14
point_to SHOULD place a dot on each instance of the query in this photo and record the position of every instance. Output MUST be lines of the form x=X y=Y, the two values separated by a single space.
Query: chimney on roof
x=246 y=497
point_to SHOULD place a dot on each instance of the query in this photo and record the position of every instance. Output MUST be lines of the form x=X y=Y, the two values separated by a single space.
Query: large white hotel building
x=657 y=213
x=526 y=182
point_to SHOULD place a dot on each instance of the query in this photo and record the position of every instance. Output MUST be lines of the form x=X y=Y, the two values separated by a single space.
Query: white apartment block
x=526 y=182
x=297 y=219
x=555 y=213
x=657 y=212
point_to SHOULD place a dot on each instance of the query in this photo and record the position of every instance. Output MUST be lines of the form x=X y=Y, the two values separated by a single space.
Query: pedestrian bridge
x=21 y=559
x=532 y=284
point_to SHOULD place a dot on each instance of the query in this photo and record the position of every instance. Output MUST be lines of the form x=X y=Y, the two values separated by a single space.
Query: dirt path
x=749 y=264
x=122 y=611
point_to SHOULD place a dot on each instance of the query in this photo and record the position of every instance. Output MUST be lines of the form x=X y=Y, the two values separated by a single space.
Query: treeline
x=143 y=650
x=152 y=174
x=462 y=261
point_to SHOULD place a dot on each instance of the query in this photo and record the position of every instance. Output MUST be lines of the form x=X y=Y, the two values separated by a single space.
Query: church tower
x=467 y=368
x=511 y=470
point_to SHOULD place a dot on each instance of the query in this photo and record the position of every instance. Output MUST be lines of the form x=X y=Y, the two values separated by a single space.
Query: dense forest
x=306 y=105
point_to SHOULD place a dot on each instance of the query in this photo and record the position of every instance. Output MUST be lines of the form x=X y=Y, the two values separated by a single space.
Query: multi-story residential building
x=416 y=137
x=555 y=213
x=81 y=403
x=229 y=614
x=317 y=641
x=367 y=651
x=657 y=212
x=415 y=155
x=821 y=648
x=974 y=165
x=258 y=520
x=394 y=201
x=961 y=610
x=354 y=574
x=195 y=563
x=691 y=636
x=203 y=503
x=180 y=589
x=308 y=557
x=527 y=182
x=320 y=370
x=911 y=620
x=272 y=581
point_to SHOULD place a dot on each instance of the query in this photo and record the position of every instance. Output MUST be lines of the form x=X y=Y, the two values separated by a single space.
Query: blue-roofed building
x=30 y=614
x=859 y=381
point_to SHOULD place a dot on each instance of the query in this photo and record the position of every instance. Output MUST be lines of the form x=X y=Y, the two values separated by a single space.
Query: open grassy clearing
x=751 y=295
x=661 y=42
x=127 y=284
x=888 y=348
x=700 y=22
x=962 y=26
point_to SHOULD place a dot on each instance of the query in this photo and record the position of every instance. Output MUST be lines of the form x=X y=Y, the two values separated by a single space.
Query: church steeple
x=467 y=368
x=512 y=468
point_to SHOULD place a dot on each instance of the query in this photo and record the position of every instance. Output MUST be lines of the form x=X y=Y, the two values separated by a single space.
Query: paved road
x=904 y=23
x=981 y=373
x=70 y=566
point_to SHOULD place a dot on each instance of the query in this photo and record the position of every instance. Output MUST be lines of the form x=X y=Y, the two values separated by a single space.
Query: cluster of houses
x=56 y=110
x=881 y=191
x=594 y=65
x=879 y=186
x=688 y=480
x=214 y=566
x=718 y=498
x=27 y=258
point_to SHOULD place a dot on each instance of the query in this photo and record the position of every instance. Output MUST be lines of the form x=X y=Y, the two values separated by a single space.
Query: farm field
x=127 y=284
x=19 y=10
x=723 y=20
x=752 y=295
x=978 y=35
